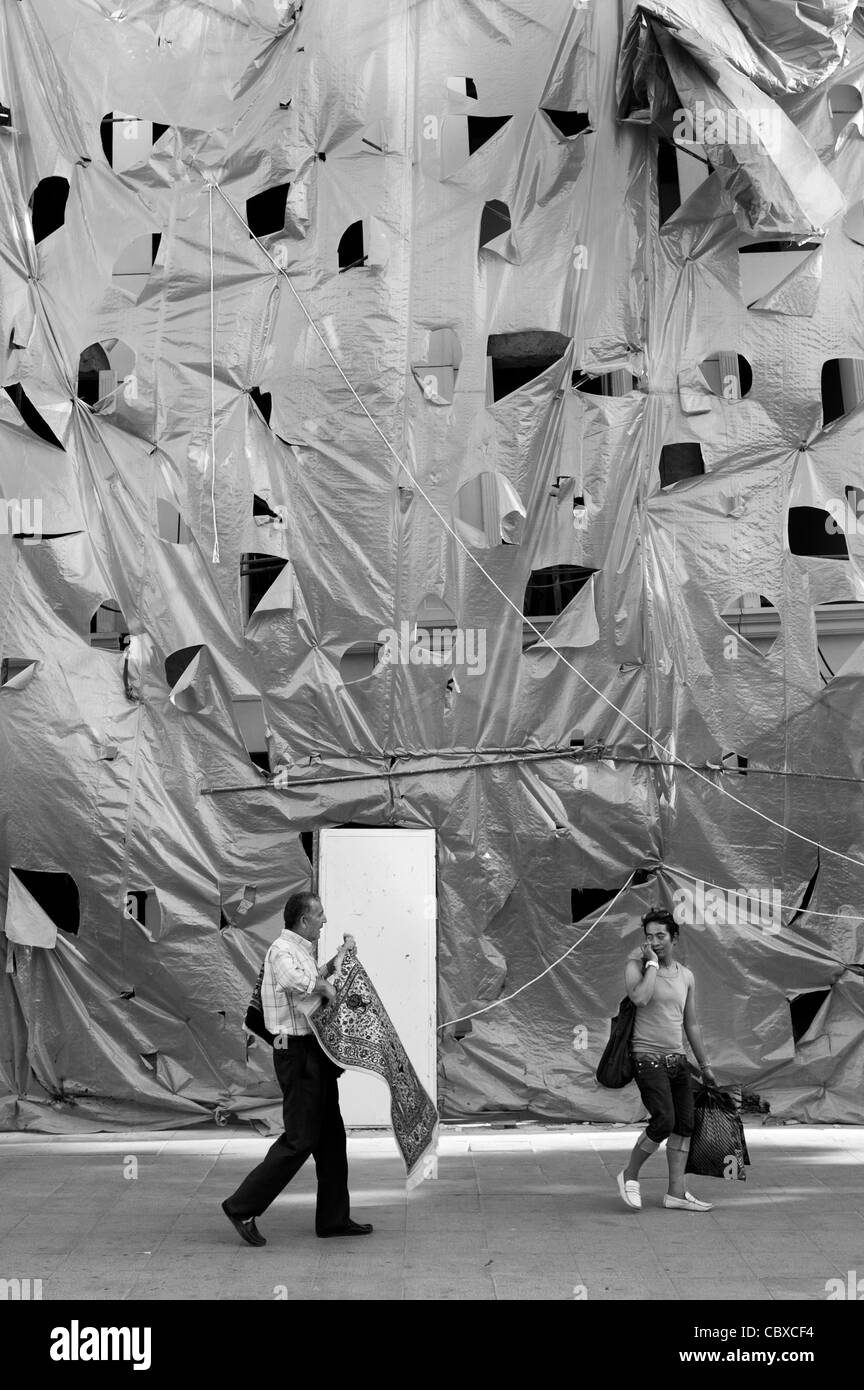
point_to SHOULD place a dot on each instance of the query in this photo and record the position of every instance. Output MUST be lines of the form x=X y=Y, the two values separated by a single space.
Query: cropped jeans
x=667 y=1092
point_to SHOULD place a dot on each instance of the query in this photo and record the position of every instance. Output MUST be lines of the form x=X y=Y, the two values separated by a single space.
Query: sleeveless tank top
x=659 y=1025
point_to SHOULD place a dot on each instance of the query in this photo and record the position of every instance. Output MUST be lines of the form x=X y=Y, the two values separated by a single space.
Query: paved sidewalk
x=524 y=1213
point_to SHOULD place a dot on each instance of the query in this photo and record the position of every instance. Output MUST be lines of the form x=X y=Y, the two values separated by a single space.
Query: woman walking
x=663 y=991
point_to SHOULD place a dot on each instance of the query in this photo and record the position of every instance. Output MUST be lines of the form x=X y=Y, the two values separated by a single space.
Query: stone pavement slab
x=521 y=1214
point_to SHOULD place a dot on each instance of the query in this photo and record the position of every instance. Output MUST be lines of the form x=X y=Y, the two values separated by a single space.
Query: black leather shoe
x=351 y=1228
x=245 y=1227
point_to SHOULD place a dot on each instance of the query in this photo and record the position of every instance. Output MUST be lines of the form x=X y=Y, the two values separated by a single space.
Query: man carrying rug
x=291 y=987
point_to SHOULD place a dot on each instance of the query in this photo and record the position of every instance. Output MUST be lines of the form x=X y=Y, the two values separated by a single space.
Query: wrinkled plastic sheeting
x=545 y=796
x=779 y=185
x=799 y=44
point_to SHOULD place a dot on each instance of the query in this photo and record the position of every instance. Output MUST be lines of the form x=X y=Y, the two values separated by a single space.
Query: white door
x=379 y=887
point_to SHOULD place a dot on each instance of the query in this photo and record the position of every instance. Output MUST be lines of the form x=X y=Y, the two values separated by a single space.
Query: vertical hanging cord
x=213 y=389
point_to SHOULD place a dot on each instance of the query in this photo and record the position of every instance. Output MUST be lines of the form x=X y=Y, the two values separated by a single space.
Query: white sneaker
x=630 y=1191
x=686 y=1203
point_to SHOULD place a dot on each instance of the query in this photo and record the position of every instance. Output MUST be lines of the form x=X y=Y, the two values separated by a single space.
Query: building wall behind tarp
x=127 y=785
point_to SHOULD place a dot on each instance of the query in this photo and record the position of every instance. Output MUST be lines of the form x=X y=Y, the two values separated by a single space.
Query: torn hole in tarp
x=102 y=368
x=127 y=141
x=807 y=895
x=619 y=382
x=141 y=905
x=434 y=639
x=668 y=185
x=462 y=87
x=573 y=627
x=727 y=375
x=48 y=206
x=488 y=512
x=436 y=376
x=361 y=660
x=549 y=590
x=350 y=249
x=679 y=462
x=842 y=387
x=235 y=906
x=755 y=619
x=109 y=629
x=515 y=359
x=844 y=107
x=16 y=672
x=264 y=402
x=462 y=136
x=263 y=514
x=482 y=128
x=36 y=537
x=568 y=124
x=683 y=168
x=585 y=901
x=185 y=673
x=813 y=518
x=266 y=211
x=804 y=1011
x=496 y=231
x=781 y=277
x=643 y=875
x=41 y=902
x=133 y=266
x=170 y=525
x=435 y=642
x=839 y=626
x=363 y=244
x=266 y=583
x=434 y=612
x=30 y=415
x=734 y=762
x=813 y=532
x=249 y=712
x=566 y=496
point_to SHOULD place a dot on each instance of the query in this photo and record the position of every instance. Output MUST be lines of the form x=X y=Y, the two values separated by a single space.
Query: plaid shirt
x=290 y=975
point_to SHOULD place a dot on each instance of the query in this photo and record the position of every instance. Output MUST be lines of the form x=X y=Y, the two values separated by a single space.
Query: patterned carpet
x=356 y=1032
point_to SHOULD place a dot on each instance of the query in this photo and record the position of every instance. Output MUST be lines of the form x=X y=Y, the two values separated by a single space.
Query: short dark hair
x=297 y=904
x=660 y=914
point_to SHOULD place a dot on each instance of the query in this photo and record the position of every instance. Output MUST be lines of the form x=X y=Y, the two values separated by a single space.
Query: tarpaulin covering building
x=596 y=274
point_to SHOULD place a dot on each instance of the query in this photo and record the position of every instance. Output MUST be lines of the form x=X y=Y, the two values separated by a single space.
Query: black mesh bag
x=718 y=1148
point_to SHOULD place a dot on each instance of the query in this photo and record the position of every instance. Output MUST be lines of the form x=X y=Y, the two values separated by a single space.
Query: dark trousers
x=313 y=1126
x=667 y=1092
